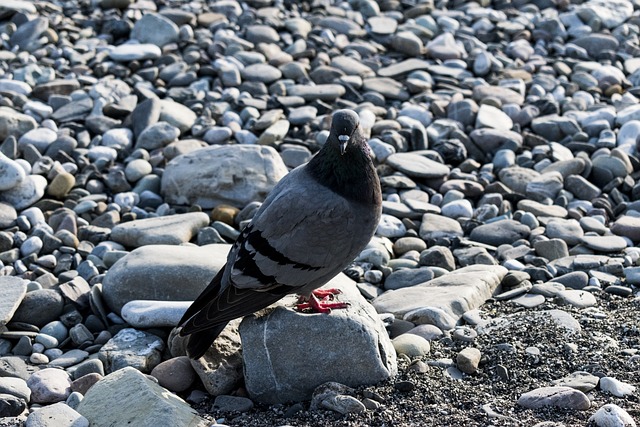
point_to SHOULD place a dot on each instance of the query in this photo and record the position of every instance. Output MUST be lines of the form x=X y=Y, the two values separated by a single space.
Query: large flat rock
x=128 y=398
x=163 y=273
x=454 y=293
x=287 y=354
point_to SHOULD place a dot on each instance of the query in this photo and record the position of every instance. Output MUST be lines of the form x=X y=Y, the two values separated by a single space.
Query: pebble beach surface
x=502 y=287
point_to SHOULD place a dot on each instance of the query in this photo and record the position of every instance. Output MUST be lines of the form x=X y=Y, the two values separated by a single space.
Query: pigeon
x=311 y=226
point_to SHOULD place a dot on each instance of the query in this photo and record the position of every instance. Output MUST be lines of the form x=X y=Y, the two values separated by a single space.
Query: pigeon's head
x=344 y=126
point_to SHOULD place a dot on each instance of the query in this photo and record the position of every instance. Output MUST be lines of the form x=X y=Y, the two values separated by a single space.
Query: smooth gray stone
x=416 y=166
x=70 y=358
x=576 y=298
x=73 y=111
x=11 y=406
x=177 y=115
x=573 y=280
x=27 y=36
x=135 y=52
x=494 y=140
x=506 y=95
x=11 y=175
x=554 y=127
x=581 y=188
x=264 y=73
x=500 y=232
x=277 y=370
x=39 y=307
x=162 y=230
x=580 y=380
x=411 y=345
x=229 y=174
x=611 y=415
x=529 y=300
x=16 y=387
x=322 y=92
x=14 y=123
x=539 y=209
x=49 y=385
x=407 y=277
x=58 y=414
x=548 y=289
x=13 y=289
x=567 y=168
x=132 y=348
x=155 y=29
x=596 y=43
x=545 y=187
x=568 y=230
x=26 y=193
x=558 y=396
x=454 y=293
x=435 y=226
x=151 y=272
x=340 y=25
x=135 y=396
x=232 y=404
x=517 y=178
x=627 y=226
x=606 y=244
x=551 y=249
x=387 y=87
x=153 y=314
x=404 y=67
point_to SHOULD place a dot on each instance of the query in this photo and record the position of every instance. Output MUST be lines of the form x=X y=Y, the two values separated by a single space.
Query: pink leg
x=314 y=305
x=324 y=293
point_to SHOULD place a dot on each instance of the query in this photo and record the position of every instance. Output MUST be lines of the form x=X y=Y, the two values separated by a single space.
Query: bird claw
x=324 y=293
x=324 y=305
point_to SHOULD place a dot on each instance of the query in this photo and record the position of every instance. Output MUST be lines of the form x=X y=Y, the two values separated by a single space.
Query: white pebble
x=616 y=387
x=611 y=415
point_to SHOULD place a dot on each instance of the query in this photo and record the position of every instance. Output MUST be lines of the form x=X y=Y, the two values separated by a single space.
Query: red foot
x=314 y=305
x=324 y=293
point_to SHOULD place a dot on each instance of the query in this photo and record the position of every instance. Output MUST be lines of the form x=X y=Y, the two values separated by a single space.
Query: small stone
x=49 y=385
x=232 y=404
x=580 y=380
x=131 y=52
x=26 y=193
x=551 y=249
x=156 y=29
x=561 y=397
x=15 y=386
x=412 y=345
x=39 y=307
x=11 y=173
x=11 y=406
x=343 y=404
x=175 y=374
x=133 y=348
x=611 y=415
x=616 y=387
x=61 y=185
x=468 y=360
x=576 y=298
x=606 y=244
x=58 y=414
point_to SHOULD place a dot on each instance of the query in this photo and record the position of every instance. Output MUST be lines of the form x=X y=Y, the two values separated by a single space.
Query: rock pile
x=137 y=138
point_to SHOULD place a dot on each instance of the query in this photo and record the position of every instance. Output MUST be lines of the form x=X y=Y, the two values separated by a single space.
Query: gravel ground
x=605 y=347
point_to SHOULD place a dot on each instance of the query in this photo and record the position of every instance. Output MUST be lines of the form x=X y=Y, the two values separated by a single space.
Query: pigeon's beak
x=344 y=140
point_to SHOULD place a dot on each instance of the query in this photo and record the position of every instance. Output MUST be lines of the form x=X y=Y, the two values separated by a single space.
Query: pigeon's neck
x=351 y=175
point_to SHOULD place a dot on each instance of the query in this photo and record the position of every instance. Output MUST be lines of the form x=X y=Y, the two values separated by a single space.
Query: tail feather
x=199 y=342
